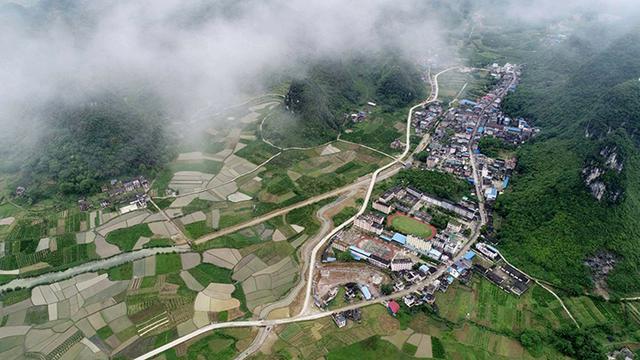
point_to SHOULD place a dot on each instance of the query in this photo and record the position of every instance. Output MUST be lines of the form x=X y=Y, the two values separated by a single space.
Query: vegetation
x=121 y=272
x=168 y=263
x=442 y=185
x=494 y=147
x=337 y=87
x=198 y=229
x=126 y=238
x=206 y=273
x=344 y=215
x=550 y=220
x=410 y=226
x=91 y=143
x=370 y=348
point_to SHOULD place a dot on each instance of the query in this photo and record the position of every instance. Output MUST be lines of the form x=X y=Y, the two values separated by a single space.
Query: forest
x=584 y=95
x=335 y=88
x=442 y=185
x=84 y=145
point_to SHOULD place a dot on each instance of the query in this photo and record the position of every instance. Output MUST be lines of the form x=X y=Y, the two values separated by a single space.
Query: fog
x=194 y=54
x=191 y=54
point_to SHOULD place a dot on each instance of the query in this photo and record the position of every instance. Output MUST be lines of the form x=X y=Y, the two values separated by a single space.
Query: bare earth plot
x=222 y=257
x=75 y=309
x=270 y=283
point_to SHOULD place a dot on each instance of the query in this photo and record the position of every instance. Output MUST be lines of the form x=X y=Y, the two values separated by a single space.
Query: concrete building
x=401 y=264
x=418 y=244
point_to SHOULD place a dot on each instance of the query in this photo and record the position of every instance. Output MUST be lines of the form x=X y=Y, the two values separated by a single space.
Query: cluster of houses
x=409 y=200
x=369 y=240
x=505 y=277
x=131 y=194
x=424 y=119
x=361 y=115
x=461 y=127
x=460 y=270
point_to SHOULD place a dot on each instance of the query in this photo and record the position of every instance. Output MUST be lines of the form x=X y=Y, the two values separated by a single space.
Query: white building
x=384 y=208
x=401 y=264
x=419 y=244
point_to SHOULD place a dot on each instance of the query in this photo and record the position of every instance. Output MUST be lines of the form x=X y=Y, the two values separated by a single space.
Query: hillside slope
x=574 y=195
x=319 y=103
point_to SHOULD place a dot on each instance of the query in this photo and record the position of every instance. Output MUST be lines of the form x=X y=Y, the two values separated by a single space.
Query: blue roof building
x=491 y=193
x=505 y=182
x=358 y=253
x=399 y=238
x=424 y=268
x=365 y=292
x=434 y=254
x=468 y=102
x=469 y=255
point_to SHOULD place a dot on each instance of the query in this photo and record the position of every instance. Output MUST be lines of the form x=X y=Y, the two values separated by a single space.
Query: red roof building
x=393 y=307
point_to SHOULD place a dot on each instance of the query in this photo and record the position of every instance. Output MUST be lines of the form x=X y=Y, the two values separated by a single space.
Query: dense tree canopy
x=585 y=98
x=333 y=88
x=90 y=143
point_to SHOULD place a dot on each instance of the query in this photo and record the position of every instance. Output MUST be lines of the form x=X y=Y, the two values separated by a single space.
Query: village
x=393 y=246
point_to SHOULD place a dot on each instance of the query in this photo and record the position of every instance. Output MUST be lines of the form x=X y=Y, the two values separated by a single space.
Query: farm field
x=621 y=318
x=239 y=191
x=453 y=83
x=379 y=130
x=487 y=305
x=410 y=226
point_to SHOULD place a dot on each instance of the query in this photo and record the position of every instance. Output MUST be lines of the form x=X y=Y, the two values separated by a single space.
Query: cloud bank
x=191 y=54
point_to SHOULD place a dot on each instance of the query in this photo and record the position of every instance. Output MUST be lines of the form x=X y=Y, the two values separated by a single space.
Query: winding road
x=303 y=315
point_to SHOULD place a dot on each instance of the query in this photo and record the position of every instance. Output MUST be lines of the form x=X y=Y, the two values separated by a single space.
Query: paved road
x=392 y=166
x=309 y=317
x=314 y=254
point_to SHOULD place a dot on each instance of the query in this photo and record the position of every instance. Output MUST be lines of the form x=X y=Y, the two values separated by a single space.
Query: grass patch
x=168 y=263
x=408 y=225
x=198 y=229
x=162 y=242
x=257 y=152
x=148 y=282
x=104 y=332
x=121 y=272
x=15 y=296
x=235 y=241
x=196 y=205
x=344 y=215
x=370 y=348
x=37 y=315
x=207 y=273
x=409 y=349
x=217 y=346
x=126 y=238
x=437 y=348
x=7 y=209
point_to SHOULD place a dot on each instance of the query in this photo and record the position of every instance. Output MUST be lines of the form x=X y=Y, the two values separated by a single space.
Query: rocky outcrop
x=603 y=175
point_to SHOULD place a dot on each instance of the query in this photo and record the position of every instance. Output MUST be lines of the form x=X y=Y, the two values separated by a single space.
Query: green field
x=488 y=305
x=206 y=273
x=370 y=348
x=168 y=263
x=411 y=226
x=126 y=238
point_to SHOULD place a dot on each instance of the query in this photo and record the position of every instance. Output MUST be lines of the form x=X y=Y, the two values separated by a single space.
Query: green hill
x=575 y=191
x=320 y=102
x=86 y=144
